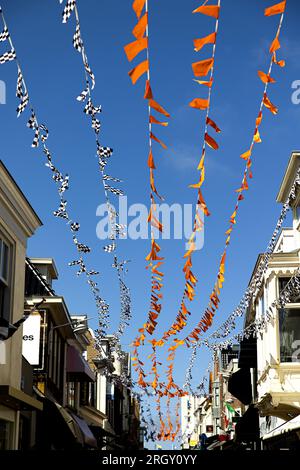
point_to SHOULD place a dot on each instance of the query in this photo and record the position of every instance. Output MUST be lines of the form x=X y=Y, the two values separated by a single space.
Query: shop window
x=71 y=394
x=5 y=279
x=6 y=429
x=289 y=331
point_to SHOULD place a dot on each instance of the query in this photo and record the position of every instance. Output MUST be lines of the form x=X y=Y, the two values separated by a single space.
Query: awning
x=77 y=367
x=239 y=385
x=18 y=400
x=88 y=437
x=289 y=426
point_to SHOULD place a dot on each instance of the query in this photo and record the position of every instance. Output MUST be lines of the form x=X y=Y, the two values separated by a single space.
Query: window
x=289 y=331
x=217 y=396
x=4 y=279
x=71 y=394
x=6 y=429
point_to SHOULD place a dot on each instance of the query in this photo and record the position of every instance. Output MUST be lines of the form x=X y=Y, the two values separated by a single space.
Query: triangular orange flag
x=151 y=160
x=265 y=78
x=270 y=105
x=275 y=9
x=212 y=124
x=153 y=120
x=209 y=10
x=199 y=103
x=275 y=45
x=153 y=104
x=199 y=43
x=211 y=142
x=204 y=82
x=138 y=71
x=152 y=136
x=139 y=30
x=246 y=155
x=148 y=92
x=134 y=48
x=138 y=6
x=202 y=67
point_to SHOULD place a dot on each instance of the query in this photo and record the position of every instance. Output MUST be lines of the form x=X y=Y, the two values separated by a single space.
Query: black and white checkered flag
x=109 y=248
x=117 y=192
x=104 y=152
x=83 y=94
x=23 y=104
x=74 y=226
x=32 y=123
x=7 y=56
x=111 y=178
x=96 y=125
x=90 y=72
x=68 y=10
x=91 y=109
x=36 y=138
x=45 y=134
x=20 y=85
x=81 y=247
x=77 y=41
x=4 y=35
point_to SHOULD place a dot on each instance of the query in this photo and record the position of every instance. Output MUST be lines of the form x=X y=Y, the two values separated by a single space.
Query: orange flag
x=211 y=142
x=148 y=92
x=199 y=43
x=275 y=9
x=134 y=48
x=151 y=160
x=275 y=45
x=153 y=104
x=259 y=119
x=199 y=103
x=212 y=123
x=206 y=83
x=139 y=30
x=202 y=67
x=246 y=155
x=213 y=10
x=152 y=136
x=265 y=78
x=138 y=6
x=153 y=120
x=270 y=105
x=256 y=136
x=281 y=63
x=138 y=71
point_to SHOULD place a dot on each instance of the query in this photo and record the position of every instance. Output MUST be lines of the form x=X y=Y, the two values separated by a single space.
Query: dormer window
x=5 y=256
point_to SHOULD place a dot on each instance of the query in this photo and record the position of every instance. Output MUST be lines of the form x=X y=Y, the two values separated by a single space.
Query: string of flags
x=61 y=180
x=255 y=285
x=104 y=153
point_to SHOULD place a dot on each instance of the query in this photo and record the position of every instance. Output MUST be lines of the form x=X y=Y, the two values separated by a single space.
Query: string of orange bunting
x=202 y=69
x=209 y=313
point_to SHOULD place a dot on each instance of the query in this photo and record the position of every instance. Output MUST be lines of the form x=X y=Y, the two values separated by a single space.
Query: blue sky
x=53 y=72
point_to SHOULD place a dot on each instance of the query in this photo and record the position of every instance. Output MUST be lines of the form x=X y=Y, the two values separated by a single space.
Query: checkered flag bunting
x=96 y=125
x=111 y=178
x=109 y=248
x=90 y=73
x=45 y=134
x=115 y=191
x=20 y=85
x=36 y=138
x=32 y=123
x=7 y=56
x=104 y=152
x=23 y=104
x=77 y=41
x=84 y=93
x=68 y=10
x=4 y=35
x=74 y=226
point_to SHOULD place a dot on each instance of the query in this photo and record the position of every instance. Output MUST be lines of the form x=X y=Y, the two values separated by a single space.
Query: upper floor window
x=289 y=331
x=5 y=257
x=282 y=283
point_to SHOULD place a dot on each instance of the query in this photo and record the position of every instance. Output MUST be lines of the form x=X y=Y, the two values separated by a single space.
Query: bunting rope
x=62 y=181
